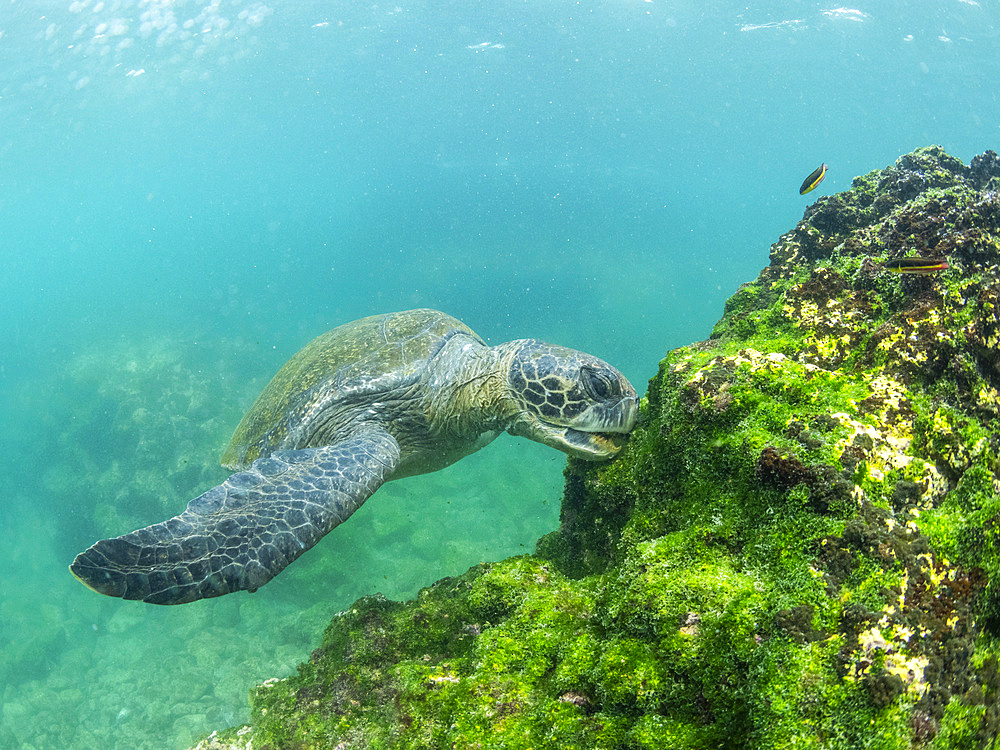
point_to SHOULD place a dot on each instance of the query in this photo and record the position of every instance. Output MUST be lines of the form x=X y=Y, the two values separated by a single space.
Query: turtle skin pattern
x=238 y=535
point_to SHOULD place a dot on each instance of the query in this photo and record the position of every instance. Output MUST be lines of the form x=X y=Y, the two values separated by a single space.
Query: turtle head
x=569 y=400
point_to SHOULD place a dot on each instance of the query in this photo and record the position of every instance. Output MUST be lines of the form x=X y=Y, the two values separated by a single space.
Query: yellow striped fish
x=920 y=266
x=813 y=180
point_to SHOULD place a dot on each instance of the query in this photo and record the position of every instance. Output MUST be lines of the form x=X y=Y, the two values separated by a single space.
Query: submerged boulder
x=799 y=546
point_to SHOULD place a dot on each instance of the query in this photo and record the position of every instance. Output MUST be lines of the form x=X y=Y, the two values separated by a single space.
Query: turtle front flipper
x=239 y=535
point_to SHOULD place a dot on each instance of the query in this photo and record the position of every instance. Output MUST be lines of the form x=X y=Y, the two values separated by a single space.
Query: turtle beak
x=597 y=435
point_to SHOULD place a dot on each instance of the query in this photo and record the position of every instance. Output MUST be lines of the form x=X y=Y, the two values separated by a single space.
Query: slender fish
x=921 y=266
x=813 y=180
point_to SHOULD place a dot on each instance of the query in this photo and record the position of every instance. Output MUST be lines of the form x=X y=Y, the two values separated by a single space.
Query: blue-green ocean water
x=192 y=189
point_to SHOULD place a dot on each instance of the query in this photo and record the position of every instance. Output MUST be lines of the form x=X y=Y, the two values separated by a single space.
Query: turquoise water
x=193 y=190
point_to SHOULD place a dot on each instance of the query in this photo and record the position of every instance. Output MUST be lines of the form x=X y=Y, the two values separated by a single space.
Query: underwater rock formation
x=799 y=546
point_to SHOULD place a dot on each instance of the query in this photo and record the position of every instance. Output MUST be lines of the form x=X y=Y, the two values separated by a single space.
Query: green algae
x=798 y=547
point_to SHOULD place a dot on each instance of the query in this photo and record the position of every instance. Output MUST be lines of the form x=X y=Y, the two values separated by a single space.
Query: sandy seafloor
x=190 y=190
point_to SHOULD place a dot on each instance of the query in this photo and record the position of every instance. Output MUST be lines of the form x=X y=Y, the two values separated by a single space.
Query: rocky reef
x=798 y=547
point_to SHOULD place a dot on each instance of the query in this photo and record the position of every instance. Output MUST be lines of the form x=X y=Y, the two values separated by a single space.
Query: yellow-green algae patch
x=798 y=547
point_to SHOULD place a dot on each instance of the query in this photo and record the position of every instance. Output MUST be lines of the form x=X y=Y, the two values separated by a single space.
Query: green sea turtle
x=383 y=397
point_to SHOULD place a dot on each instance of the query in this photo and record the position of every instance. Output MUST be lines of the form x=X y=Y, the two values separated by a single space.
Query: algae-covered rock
x=799 y=547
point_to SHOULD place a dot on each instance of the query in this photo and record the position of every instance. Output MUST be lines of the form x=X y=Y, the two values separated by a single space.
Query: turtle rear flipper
x=239 y=535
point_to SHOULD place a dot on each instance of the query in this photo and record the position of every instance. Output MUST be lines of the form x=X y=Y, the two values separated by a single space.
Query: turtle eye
x=598 y=385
